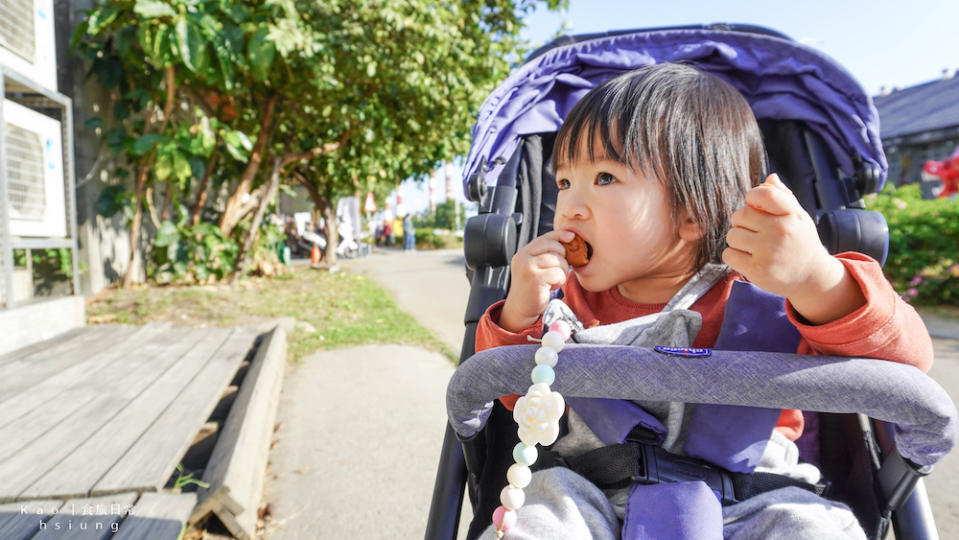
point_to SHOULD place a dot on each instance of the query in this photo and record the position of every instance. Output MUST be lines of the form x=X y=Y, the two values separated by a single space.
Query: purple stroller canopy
x=781 y=79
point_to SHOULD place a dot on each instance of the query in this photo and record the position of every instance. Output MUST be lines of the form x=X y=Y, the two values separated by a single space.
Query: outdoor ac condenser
x=27 y=43
x=34 y=171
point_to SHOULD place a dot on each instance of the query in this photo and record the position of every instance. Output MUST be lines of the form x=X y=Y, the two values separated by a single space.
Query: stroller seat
x=822 y=138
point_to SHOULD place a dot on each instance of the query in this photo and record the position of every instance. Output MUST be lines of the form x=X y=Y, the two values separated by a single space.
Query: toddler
x=662 y=172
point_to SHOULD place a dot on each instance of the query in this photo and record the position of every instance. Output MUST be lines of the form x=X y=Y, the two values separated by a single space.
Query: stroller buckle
x=657 y=466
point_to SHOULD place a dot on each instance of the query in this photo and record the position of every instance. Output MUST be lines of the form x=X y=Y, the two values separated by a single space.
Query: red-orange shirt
x=885 y=327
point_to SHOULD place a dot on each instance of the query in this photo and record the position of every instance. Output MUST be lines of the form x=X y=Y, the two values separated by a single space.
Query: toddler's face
x=624 y=216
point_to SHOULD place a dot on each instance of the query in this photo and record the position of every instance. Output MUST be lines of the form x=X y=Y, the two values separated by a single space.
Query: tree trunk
x=205 y=184
x=322 y=205
x=142 y=173
x=232 y=213
x=251 y=235
x=167 y=199
x=332 y=234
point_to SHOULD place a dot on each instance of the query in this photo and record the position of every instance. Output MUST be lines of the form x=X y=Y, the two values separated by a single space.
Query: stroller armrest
x=924 y=415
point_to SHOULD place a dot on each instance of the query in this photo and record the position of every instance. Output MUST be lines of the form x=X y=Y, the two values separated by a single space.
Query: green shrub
x=923 y=262
x=191 y=254
x=427 y=239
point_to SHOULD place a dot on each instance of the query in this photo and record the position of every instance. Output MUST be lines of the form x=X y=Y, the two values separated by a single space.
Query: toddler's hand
x=537 y=269
x=773 y=243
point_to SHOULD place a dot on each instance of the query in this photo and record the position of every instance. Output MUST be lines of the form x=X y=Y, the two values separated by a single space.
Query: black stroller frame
x=857 y=451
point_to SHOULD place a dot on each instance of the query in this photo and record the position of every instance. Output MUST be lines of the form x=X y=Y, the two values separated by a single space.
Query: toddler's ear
x=689 y=230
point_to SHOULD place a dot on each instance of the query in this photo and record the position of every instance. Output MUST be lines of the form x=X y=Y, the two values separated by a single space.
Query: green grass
x=331 y=310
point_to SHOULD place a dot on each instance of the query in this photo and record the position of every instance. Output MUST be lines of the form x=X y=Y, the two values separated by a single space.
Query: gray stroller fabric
x=673 y=326
x=924 y=415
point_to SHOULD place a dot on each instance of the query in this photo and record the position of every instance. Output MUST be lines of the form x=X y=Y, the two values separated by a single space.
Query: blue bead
x=524 y=455
x=543 y=374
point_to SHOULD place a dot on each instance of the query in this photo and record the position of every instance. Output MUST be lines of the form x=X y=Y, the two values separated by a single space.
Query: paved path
x=332 y=498
x=361 y=428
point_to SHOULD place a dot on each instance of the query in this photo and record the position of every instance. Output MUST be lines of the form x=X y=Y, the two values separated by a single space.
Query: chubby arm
x=885 y=327
x=841 y=305
x=490 y=334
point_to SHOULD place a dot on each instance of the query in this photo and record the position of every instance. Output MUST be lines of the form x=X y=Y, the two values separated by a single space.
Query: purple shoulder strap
x=730 y=436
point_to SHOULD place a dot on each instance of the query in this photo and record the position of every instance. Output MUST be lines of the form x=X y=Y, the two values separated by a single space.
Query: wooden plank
x=109 y=397
x=147 y=465
x=158 y=516
x=93 y=518
x=52 y=396
x=28 y=350
x=19 y=521
x=238 y=464
x=82 y=468
x=21 y=374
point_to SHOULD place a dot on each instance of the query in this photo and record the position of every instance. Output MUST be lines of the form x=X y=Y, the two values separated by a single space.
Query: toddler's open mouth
x=578 y=252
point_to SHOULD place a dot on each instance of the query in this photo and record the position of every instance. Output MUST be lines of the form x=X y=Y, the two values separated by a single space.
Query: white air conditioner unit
x=34 y=170
x=27 y=43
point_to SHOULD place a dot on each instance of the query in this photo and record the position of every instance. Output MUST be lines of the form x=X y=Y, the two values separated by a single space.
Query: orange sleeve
x=885 y=328
x=490 y=334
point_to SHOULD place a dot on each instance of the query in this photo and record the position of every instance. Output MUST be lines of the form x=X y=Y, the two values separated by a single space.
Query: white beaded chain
x=537 y=414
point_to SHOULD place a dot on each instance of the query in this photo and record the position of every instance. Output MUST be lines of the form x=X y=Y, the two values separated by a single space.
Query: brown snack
x=576 y=252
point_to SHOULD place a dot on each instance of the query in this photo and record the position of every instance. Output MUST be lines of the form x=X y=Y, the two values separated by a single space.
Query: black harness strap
x=620 y=465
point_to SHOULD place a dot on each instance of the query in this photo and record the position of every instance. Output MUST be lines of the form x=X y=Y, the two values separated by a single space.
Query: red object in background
x=315 y=255
x=370 y=206
x=946 y=170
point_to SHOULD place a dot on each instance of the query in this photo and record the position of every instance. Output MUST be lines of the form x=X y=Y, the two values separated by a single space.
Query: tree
x=408 y=79
x=354 y=91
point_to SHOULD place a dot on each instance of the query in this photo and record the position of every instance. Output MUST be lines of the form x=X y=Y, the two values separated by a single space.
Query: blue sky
x=881 y=42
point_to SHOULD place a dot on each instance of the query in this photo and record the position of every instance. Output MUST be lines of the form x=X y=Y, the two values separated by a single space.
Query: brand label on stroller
x=683 y=351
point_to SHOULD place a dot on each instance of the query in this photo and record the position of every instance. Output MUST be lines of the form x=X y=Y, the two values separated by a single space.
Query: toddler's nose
x=572 y=207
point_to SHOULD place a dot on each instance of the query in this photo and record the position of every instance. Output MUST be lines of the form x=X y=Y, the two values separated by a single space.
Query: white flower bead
x=512 y=497
x=519 y=475
x=537 y=414
x=546 y=356
x=554 y=340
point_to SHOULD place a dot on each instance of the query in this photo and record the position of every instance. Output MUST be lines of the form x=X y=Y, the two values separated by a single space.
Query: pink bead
x=504 y=518
x=562 y=327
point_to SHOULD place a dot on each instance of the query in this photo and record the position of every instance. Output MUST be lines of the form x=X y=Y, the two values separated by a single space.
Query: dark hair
x=685 y=127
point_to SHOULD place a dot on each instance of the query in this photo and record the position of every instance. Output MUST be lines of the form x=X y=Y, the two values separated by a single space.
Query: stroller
x=822 y=138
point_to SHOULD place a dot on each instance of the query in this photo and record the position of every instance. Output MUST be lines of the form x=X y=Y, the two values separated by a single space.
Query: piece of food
x=577 y=252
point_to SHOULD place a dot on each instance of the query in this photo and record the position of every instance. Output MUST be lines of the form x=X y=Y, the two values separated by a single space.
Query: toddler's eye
x=563 y=183
x=604 y=179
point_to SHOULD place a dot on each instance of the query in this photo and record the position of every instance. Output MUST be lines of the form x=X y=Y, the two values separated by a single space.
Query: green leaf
x=192 y=46
x=101 y=18
x=181 y=165
x=149 y=9
x=197 y=166
x=116 y=137
x=113 y=199
x=93 y=123
x=225 y=63
x=146 y=143
x=163 y=168
x=183 y=41
x=261 y=53
x=168 y=235
x=238 y=144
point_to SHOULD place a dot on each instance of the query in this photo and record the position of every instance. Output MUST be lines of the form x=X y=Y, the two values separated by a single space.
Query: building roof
x=922 y=108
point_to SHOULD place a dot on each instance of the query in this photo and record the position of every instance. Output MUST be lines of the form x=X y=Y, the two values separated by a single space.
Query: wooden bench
x=103 y=415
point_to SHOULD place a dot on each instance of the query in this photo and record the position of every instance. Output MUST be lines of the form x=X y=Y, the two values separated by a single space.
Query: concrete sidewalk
x=361 y=428
x=358 y=444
